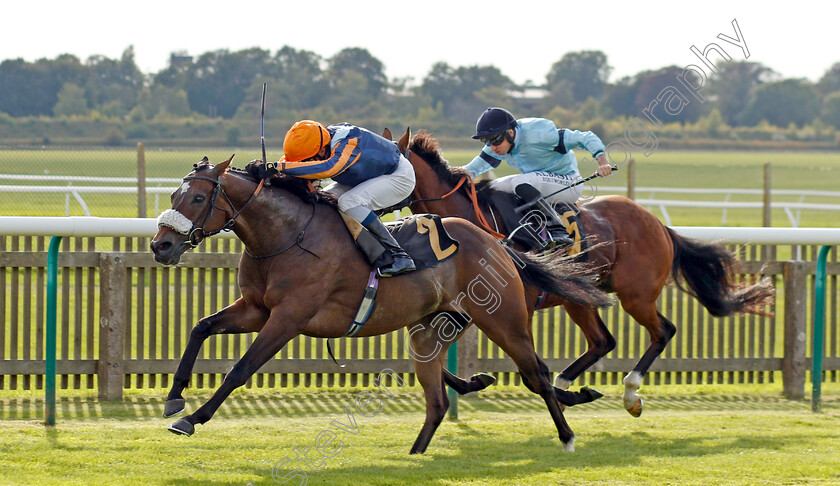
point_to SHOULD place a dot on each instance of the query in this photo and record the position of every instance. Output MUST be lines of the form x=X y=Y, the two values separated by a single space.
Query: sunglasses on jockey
x=494 y=139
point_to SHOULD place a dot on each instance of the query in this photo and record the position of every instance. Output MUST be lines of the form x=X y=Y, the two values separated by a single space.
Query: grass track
x=504 y=437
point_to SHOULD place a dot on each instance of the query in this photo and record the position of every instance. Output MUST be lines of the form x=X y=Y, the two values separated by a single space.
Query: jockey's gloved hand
x=260 y=169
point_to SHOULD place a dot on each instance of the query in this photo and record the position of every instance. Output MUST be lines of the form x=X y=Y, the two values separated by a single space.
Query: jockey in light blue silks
x=543 y=154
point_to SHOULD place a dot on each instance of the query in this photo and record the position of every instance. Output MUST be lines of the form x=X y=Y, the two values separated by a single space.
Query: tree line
x=352 y=85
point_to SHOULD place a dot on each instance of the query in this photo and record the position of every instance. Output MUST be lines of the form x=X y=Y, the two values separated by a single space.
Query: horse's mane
x=427 y=148
x=298 y=186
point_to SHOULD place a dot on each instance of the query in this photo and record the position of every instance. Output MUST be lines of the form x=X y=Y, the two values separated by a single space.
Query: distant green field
x=742 y=170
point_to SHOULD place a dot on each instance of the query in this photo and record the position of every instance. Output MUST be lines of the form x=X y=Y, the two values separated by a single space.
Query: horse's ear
x=221 y=167
x=387 y=134
x=402 y=144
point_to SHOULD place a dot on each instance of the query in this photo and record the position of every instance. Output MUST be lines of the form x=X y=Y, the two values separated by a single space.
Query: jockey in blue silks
x=369 y=174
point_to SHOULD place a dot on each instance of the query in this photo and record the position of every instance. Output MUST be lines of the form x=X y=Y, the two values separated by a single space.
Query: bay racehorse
x=634 y=252
x=301 y=273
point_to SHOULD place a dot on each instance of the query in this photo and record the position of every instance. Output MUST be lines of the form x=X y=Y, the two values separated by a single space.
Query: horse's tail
x=707 y=270
x=561 y=276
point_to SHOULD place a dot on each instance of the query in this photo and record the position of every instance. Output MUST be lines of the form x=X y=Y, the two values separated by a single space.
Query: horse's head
x=197 y=212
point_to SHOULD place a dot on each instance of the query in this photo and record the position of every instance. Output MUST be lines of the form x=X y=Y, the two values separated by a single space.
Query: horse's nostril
x=161 y=247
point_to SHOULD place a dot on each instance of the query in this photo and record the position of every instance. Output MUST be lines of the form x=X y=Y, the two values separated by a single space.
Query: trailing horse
x=634 y=255
x=301 y=273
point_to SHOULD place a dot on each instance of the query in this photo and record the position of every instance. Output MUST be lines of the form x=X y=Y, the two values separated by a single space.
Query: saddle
x=424 y=238
x=525 y=230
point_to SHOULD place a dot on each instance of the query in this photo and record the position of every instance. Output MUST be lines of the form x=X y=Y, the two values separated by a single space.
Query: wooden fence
x=123 y=321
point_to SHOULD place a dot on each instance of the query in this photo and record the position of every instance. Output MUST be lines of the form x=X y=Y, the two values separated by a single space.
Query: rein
x=480 y=215
x=297 y=241
x=473 y=197
x=459 y=184
x=197 y=234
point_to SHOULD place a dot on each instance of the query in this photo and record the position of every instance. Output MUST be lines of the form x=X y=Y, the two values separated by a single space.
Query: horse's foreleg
x=598 y=337
x=661 y=331
x=238 y=317
x=268 y=342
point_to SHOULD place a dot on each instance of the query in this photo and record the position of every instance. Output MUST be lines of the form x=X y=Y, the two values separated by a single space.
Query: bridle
x=197 y=234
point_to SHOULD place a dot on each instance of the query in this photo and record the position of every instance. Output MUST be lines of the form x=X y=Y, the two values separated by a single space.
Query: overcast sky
x=522 y=38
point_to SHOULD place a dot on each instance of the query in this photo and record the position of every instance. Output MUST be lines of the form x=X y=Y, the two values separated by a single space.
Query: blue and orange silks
x=357 y=155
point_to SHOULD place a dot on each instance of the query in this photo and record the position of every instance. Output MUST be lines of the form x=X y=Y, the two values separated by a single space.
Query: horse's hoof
x=174 y=406
x=569 y=446
x=182 y=427
x=635 y=409
x=592 y=393
x=485 y=379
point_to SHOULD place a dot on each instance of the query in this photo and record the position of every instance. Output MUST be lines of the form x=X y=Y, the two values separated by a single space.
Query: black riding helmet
x=494 y=120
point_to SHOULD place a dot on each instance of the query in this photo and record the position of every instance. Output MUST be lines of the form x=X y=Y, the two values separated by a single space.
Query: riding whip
x=262 y=129
x=614 y=167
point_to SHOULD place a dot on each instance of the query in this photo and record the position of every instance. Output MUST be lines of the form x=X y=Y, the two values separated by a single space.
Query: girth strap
x=362 y=314
x=366 y=306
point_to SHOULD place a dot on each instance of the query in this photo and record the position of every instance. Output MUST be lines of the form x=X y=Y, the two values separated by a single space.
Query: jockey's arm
x=575 y=139
x=482 y=163
x=345 y=154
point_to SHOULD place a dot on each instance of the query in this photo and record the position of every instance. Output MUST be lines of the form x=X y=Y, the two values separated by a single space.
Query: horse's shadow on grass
x=466 y=459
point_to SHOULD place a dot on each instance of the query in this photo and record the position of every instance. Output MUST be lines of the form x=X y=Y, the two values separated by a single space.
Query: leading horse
x=634 y=252
x=302 y=274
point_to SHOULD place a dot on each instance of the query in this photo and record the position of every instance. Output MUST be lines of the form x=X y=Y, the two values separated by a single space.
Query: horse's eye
x=198 y=199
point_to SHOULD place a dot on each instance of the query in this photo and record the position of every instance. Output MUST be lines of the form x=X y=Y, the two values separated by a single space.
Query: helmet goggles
x=493 y=139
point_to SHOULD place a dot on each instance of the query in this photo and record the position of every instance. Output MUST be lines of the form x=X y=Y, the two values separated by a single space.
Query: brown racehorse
x=302 y=273
x=642 y=254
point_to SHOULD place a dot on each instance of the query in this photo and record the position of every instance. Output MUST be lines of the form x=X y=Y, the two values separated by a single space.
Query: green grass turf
x=701 y=435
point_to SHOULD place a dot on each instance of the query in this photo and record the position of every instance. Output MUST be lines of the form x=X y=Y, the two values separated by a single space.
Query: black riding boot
x=556 y=233
x=400 y=261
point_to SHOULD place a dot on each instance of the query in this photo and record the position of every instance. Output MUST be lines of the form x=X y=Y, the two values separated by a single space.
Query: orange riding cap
x=304 y=140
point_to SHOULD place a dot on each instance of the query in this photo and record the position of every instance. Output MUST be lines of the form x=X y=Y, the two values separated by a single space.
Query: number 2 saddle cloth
x=424 y=238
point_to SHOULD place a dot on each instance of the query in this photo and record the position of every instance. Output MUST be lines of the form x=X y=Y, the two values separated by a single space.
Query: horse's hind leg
x=565 y=397
x=514 y=339
x=238 y=317
x=477 y=382
x=430 y=375
x=661 y=331
x=598 y=337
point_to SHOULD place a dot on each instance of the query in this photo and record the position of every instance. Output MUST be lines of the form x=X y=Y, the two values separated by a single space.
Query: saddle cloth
x=424 y=238
x=503 y=204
